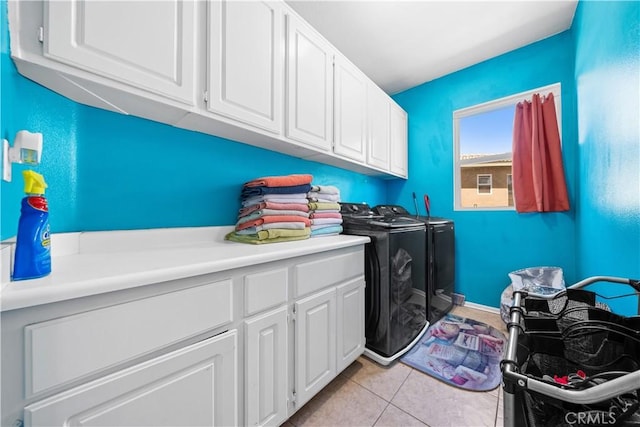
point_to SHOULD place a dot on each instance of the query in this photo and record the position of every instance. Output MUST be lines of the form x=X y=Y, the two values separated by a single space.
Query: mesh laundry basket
x=570 y=361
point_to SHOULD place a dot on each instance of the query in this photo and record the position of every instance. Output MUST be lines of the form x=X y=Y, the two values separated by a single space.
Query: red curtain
x=538 y=174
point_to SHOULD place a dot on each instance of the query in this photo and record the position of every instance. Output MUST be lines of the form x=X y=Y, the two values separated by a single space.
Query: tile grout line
x=411 y=370
x=381 y=413
x=411 y=415
x=389 y=403
x=498 y=408
x=375 y=394
x=495 y=417
x=403 y=381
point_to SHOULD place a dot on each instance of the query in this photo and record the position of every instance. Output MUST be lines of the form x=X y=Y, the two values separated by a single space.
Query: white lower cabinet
x=329 y=336
x=247 y=346
x=266 y=368
x=195 y=385
x=62 y=350
x=315 y=350
x=294 y=350
x=350 y=322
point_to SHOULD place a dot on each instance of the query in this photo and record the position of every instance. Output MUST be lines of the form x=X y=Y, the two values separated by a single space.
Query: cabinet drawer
x=195 y=385
x=315 y=275
x=264 y=290
x=65 y=349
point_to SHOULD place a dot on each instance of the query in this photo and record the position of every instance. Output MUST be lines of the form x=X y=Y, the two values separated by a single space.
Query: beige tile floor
x=368 y=394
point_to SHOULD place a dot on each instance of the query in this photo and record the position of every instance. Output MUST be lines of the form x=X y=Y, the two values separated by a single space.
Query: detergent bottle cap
x=33 y=182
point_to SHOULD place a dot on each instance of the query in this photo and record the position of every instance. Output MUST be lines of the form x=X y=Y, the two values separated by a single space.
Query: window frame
x=485 y=107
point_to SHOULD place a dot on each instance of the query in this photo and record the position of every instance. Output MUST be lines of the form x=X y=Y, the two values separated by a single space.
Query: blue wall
x=110 y=171
x=607 y=74
x=30 y=107
x=149 y=175
x=490 y=244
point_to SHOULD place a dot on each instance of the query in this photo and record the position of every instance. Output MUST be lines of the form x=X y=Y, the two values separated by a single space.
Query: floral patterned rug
x=461 y=352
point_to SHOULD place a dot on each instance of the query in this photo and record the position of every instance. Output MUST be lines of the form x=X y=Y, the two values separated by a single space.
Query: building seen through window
x=485 y=159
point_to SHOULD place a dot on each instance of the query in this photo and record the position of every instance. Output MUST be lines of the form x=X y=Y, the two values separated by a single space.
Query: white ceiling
x=400 y=44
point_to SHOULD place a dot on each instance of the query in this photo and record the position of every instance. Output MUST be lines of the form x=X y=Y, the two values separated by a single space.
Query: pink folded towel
x=323 y=214
x=273 y=225
x=277 y=198
x=280 y=181
x=273 y=218
x=270 y=212
x=273 y=205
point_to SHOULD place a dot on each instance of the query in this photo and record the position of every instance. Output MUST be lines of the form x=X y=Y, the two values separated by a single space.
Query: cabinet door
x=266 y=369
x=196 y=385
x=246 y=62
x=350 y=110
x=309 y=86
x=378 y=126
x=350 y=325
x=145 y=44
x=315 y=344
x=398 y=141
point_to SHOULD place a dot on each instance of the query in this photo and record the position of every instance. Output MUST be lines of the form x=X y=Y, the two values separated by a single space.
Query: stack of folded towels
x=274 y=209
x=324 y=210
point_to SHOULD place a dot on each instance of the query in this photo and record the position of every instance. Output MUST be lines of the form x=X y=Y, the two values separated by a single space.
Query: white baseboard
x=481 y=307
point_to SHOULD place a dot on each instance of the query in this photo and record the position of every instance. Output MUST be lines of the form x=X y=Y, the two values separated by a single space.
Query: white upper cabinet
x=246 y=62
x=309 y=85
x=398 y=143
x=144 y=44
x=248 y=71
x=378 y=125
x=350 y=110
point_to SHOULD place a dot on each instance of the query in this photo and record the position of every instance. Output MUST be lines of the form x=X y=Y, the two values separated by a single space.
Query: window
x=484 y=184
x=482 y=136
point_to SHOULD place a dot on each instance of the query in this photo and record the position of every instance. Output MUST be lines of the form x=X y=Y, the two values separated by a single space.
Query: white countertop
x=91 y=263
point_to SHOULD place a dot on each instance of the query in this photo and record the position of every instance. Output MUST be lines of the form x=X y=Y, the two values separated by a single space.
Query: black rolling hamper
x=570 y=361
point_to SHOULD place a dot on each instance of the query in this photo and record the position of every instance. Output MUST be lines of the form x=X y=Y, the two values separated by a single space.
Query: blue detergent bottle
x=33 y=246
